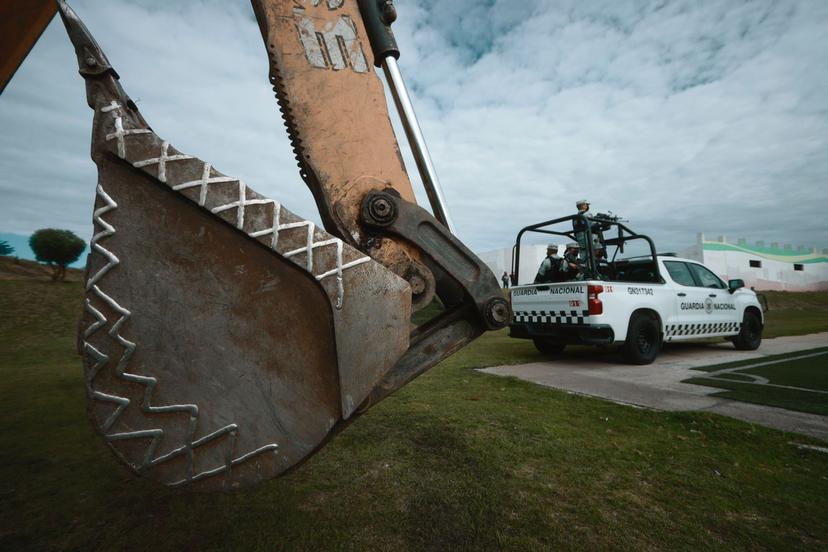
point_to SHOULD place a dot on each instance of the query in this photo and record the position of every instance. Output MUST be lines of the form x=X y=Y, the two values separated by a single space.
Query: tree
x=5 y=248
x=57 y=248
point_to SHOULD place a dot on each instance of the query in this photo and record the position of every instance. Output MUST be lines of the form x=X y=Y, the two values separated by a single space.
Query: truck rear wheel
x=750 y=336
x=643 y=340
x=548 y=346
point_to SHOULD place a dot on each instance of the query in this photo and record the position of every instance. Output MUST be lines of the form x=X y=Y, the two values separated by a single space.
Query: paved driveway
x=600 y=374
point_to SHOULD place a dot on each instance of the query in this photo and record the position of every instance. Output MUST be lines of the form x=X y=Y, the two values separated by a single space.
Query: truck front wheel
x=643 y=340
x=548 y=346
x=750 y=336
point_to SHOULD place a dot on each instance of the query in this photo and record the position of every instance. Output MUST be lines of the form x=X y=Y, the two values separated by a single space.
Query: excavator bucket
x=224 y=338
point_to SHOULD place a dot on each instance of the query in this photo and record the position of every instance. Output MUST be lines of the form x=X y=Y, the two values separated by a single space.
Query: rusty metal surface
x=223 y=337
x=473 y=299
x=430 y=344
x=180 y=343
x=334 y=108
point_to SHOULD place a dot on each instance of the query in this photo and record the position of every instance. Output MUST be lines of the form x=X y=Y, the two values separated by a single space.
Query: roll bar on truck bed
x=602 y=222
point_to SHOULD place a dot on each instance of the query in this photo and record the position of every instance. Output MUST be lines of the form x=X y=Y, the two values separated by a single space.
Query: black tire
x=750 y=336
x=548 y=346
x=643 y=340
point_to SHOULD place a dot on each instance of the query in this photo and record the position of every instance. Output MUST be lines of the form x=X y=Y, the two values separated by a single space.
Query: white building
x=761 y=266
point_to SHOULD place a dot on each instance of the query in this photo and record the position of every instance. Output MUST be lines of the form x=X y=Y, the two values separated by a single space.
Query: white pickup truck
x=646 y=302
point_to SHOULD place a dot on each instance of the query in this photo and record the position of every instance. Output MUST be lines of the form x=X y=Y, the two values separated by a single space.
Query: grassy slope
x=796 y=313
x=12 y=268
x=456 y=459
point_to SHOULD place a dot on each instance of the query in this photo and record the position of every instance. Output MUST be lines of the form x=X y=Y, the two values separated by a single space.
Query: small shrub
x=57 y=248
x=5 y=248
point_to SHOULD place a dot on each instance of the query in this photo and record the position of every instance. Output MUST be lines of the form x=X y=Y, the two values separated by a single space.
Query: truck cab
x=638 y=302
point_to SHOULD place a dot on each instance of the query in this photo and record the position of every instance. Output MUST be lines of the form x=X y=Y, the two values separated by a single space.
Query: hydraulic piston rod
x=416 y=140
x=378 y=16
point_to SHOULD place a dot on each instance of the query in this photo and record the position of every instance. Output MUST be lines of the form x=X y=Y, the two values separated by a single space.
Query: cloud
x=683 y=116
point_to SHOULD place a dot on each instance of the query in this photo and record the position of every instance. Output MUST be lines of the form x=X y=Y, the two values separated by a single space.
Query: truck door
x=689 y=315
x=720 y=308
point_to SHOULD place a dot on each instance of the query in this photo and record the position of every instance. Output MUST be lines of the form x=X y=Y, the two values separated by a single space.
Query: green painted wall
x=772 y=253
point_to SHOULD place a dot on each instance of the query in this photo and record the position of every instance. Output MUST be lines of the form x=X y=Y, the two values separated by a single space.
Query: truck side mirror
x=733 y=285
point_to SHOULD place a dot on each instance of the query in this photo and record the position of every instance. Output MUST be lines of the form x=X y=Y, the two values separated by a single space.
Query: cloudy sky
x=682 y=116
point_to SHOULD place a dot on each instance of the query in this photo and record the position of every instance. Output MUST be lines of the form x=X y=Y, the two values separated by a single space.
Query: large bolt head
x=389 y=12
x=379 y=209
x=421 y=281
x=497 y=313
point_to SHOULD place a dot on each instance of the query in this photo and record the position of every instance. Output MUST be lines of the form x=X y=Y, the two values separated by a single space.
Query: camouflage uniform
x=549 y=270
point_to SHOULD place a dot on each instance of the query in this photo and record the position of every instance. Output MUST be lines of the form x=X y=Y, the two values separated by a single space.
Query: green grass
x=455 y=460
x=750 y=361
x=796 y=313
x=789 y=399
x=807 y=373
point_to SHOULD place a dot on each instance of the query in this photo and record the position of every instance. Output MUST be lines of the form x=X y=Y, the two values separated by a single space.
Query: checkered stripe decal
x=551 y=317
x=701 y=329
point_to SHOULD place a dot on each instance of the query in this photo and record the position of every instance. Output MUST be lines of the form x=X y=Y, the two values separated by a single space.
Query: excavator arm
x=226 y=339
x=334 y=110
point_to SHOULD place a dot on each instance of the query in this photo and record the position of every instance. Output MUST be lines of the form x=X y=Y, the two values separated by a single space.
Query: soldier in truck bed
x=550 y=267
x=580 y=228
x=571 y=266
